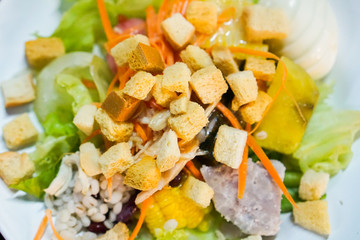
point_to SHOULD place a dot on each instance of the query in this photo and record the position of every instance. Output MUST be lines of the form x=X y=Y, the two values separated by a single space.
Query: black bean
x=178 y=179
x=128 y=210
x=97 y=227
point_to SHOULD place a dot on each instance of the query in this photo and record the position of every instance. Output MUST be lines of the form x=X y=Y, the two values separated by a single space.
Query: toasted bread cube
x=120 y=106
x=41 y=51
x=179 y=106
x=313 y=185
x=244 y=86
x=19 y=90
x=188 y=125
x=262 y=69
x=178 y=31
x=203 y=15
x=113 y=131
x=123 y=50
x=208 y=84
x=19 y=132
x=200 y=192
x=146 y=58
x=196 y=58
x=265 y=23
x=235 y=104
x=143 y=175
x=89 y=159
x=139 y=85
x=223 y=59
x=85 y=118
x=15 y=166
x=119 y=232
x=252 y=112
x=313 y=215
x=229 y=146
x=176 y=77
x=116 y=159
x=159 y=121
x=162 y=96
x=169 y=153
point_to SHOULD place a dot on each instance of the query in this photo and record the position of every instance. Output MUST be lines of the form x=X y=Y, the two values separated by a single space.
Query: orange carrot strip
x=41 y=229
x=269 y=167
x=109 y=32
x=143 y=210
x=149 y=132
x=48 y=214
x=243 y=168
x=226 y=15
x=109 y=188
x=96 y=104
x=194 y=171
x=113 y=42
x=175 y=6
x=152 y=103
x=93 y=134
x=125 y=77
x=200 y=39
x=229 y=115
x=114 y=80
x=89 y=84
x=140 y=131
x=184 y=6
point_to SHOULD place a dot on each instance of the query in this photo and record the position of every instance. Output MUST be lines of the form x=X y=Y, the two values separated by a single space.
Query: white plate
x=20 y=19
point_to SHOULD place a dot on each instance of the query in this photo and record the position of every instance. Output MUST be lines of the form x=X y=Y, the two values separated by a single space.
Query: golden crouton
x=122 y=51
x=146 y=58
x=41 y=51
x=162 y=96
x=188 y=125
x=252 y=112
x=229 y=146
x=235 y=104
x=200 y=192
x=203 y=15
x=85 y=118
x=262 y=69
x=19 y=90
x=196 y=58
x=179 y=106
x=208 y=84
x=244 y=86
x=265 y=23
x=178 y=31
x=313 y=215
x=19 y=132
x=116 y=159
x=120 y=106
x=169 y=152
x=89 y=159
x=313 y=185
x=143 y=175
x=119 y=232
x=176 y=77
x=139 y=85
x=113 y=131
x=15 y=166
x=223 y=59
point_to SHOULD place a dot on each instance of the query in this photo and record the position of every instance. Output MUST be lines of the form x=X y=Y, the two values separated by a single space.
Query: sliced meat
x=258 y=212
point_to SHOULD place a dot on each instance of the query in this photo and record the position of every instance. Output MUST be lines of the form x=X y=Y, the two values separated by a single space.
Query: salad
x=176 y=120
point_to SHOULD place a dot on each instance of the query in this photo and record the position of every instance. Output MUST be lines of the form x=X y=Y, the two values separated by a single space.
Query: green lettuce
x=101 y=75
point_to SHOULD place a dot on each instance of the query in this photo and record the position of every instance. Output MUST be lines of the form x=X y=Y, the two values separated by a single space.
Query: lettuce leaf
x=101 y=75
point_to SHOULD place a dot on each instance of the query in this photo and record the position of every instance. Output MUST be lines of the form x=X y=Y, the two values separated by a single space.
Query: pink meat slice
x=258 y=212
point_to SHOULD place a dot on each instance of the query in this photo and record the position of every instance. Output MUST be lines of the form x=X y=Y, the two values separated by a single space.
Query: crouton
x=143 y=175
x=188 y=125
x=169 y=152
x=119 y=232
x=200 y=192
x=41 y=51
x=120 y=106
x=159 y=121
x=123 y=50
x=208 y=84
x=15 y=166
x=139 y=85
x=146 y=58
x=313 y=185
x=85 y=118
x=235 y=104
x=229 y=146
x=178 y=31
x=223 y=59
x=252 y=112
x=196 y=58
x=265 y=23
x=162 y=96
x=313 y=215
x=244 y=86
x=19 y=90
x=203 y=15
x=262 y=69
x=179 y=106
x=176 y=77
x=19 y=132
x=253 y=237
x=89 y=159
x=113 y=131
x=116 y=159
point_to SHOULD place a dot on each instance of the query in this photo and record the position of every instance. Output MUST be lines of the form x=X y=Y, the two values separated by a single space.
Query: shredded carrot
x=152 y=104
x=145 y=206
x=48 y=214
x=96 y=104
x=113 y=42
x=149 y=132
x=140 y=131
x=125 y=77
x=229 y=115
x=200 y=39
x=194 y=171
x=226 y=15
x=109 y=32
x=114 y=81
x=184 y=6
x=109 y=188
x=89 y=84
x=243 y=168
x=175 y=6
x=93 y=134
x=43 y=224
